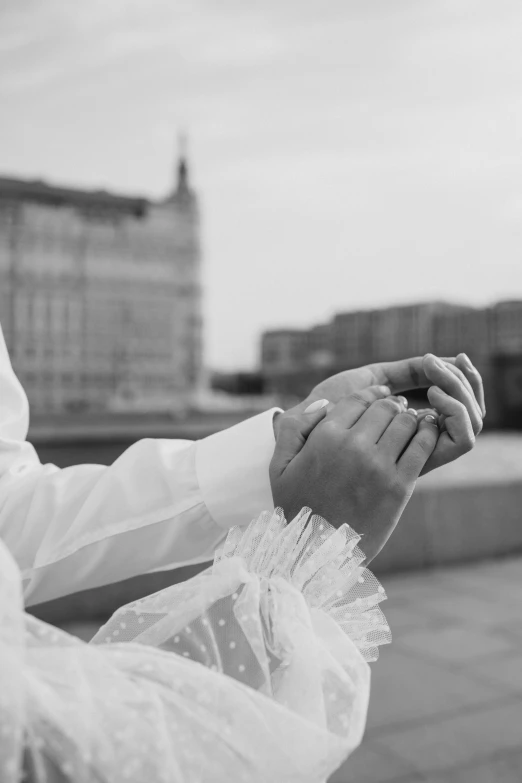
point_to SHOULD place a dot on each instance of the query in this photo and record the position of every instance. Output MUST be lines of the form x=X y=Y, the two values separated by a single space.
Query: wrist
x=279 y=416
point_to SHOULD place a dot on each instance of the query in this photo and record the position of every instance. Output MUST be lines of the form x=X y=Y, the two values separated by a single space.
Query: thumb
x=294 y=427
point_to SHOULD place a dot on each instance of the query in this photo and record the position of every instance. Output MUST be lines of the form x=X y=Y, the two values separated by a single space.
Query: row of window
x=85 y=381
x=81 y=241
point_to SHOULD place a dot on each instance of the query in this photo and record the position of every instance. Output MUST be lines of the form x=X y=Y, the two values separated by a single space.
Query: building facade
x=100 y=296
x=491 y=336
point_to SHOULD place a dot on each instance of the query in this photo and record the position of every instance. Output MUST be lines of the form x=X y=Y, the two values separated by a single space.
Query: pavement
x=446 y=703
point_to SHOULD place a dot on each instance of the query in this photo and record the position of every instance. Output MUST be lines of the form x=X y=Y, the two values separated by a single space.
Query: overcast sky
x=348 y=153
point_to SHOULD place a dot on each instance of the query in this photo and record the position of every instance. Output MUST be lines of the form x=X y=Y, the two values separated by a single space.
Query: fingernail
x=467 y=361
x=439 y=364
x=412 y=412
x=316 y=406
x=385 y=390
x=431 y=419
x=403 y=400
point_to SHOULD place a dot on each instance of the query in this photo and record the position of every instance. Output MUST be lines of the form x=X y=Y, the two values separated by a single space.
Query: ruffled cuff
x=321 y=562
x=287 y=610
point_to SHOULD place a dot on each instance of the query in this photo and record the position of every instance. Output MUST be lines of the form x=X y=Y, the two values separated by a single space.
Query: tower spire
x=182 y=193
x=182 y=185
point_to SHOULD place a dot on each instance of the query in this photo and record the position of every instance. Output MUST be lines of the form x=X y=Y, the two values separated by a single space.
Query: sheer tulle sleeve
x=255 y=670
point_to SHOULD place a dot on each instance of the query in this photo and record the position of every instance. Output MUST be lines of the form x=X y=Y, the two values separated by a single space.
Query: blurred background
x=206 y=208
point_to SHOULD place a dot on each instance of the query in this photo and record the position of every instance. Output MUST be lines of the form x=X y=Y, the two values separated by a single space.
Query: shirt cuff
x=232 y=470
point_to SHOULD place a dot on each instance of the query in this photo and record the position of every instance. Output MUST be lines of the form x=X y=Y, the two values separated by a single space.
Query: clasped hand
x=357 y=458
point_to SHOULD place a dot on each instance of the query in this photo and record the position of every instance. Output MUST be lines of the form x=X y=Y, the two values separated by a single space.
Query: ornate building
x=100 y=296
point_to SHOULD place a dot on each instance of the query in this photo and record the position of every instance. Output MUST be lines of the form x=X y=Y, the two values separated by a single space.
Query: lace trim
x=322 y=562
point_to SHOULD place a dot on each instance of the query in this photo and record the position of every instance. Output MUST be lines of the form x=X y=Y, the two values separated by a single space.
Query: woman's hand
x=416 y=373
x=356 y=463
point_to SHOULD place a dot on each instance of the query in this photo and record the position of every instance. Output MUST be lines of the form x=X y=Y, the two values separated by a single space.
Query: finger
x=467 y=370
x=399 y=433
x=439 y=417
x=420 y=448
x=404 y=375
x=410 y=374
x=462 y=377
x=374 y=421
x=450 y=381
x=474 y=378
x=458 y=437
x=350 y=409
x=292 y=431
x=313 y=409
x=457 y=419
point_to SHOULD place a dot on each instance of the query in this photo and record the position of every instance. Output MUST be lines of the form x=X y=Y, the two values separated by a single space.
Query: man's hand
x=461 y=381
x=356 y=463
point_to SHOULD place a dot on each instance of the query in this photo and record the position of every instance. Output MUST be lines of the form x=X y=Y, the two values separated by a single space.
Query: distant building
x=506 y=362
x=283 y=356
x=506 y=327
x=353 y=338
x=319 y=349
x=294 y=359
x=492 y=337
x=100 y=295
x=246 y=384
x=387 y=334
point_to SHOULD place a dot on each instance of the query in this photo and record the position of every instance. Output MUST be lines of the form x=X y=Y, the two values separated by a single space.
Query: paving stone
x=414 y=590
x=402 y=616
x=473 y=609
x=493 y=583
x=458 y=741
x=512 y=631
x=507 y=769
x=444 y=706
x=372 y=765
x=503 y=671
x=455 y=644
x=405 y=689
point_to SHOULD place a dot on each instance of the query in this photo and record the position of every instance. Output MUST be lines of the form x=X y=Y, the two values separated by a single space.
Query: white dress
x=255 y=670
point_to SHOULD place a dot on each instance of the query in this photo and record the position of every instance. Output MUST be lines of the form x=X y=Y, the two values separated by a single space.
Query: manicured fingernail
x=403 y=400
x=412 y=412
x=431 y=419
x=316 y=406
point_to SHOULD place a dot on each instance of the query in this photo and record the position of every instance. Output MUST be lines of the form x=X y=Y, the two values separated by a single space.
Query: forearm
x=90 y=525
x=162 y=504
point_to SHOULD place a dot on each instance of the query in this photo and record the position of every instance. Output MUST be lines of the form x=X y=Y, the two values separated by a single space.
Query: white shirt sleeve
x=162 y=503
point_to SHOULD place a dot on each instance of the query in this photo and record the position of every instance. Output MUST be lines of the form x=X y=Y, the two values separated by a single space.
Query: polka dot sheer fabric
x=255 y=670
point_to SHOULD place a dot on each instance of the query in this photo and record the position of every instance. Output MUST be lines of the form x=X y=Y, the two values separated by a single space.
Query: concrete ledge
x=100 y=603
x=467 y=511
x=441 y=526
x=455 y=524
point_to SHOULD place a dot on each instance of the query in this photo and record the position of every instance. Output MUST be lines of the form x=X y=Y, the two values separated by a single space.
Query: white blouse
x=163 y=503
x=254 y=671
